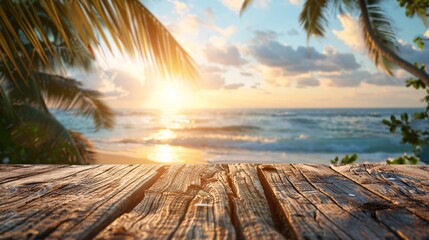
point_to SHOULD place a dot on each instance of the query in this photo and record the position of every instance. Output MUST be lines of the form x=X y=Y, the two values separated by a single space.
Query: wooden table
x=244 y=201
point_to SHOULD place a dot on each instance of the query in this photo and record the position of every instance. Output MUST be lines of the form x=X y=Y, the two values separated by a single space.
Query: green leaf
x=420 y=115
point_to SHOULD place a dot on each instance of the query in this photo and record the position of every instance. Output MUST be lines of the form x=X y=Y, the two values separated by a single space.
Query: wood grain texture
x=252 y=212
x=188 y=201
x=9 y=173
x=244 y=201
x=71 y=202
x=373 y=215
x=298 y=214
x=400 y=185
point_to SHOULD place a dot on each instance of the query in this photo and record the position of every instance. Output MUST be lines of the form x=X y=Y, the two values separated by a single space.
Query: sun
x=171 y=97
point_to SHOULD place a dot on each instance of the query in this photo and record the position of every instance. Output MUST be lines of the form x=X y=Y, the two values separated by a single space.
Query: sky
x=261 y=60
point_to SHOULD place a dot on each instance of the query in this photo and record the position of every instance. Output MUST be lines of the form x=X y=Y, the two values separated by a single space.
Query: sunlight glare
x=171 y=97
x=165 y=134
x=164 y=154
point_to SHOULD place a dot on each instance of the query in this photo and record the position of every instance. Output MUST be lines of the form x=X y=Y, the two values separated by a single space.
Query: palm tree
x=127 y=25
x=29 y=132
x=41 y=38
x=379 y=37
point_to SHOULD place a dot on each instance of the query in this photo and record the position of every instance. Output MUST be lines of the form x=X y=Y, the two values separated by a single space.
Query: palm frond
x=68 y=94
x=344 y=6
x=45 y=137
x=313 y=17
x=382 y=31
x=244 y=6
x=126 y=24
x=25 y=91
x=78 y=56
x=84 y=147
x=6 y=108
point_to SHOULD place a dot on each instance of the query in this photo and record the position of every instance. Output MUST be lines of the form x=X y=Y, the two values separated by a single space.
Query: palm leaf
x=378 y=29
x=47 y=138
x=6 y=108
x=27 y=91
x=68 y=94
x=244 y=6
x=127 y=25
x=312 y=17
x=84 y=146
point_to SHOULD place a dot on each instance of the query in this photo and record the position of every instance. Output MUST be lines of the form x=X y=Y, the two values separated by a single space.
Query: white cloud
x=213 y=79
x=287 y=66
x=233 y=86
x=427 y=33
x=228 y=55
x=351 y=33
x=226 y=32
x=295 y=2
x=180 y=7
x=235 y=5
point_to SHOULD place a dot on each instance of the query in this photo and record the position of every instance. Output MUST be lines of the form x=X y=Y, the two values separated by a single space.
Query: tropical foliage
x=380 y=41
x=345 y=160
x=377 y=29
x=39 y=40
x=126 y=25
x=417 y=135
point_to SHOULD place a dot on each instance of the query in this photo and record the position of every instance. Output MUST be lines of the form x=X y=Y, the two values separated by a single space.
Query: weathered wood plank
x=380 y=217
x=208 y=214
x=252 y=212
x=405 y=190
x=188 y=201
x=71 y=202
x=299 y=216
x=13 y=172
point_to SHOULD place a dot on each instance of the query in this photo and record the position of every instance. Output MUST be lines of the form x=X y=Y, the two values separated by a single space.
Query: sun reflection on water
x=164 y=154
x=165 y=134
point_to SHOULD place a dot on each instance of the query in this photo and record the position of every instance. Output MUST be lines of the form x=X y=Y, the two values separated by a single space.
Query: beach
x=243 y=135
x=163 y=154
x=113 y=158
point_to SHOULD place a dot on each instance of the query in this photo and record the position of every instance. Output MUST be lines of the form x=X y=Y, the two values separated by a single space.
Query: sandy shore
x=114 y=158
x=152 y=155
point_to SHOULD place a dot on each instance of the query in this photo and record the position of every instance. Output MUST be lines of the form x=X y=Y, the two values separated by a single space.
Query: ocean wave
x=233 y=128
x=299 y=143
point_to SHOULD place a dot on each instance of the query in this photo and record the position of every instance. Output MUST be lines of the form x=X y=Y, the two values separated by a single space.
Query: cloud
x=295 y=2
x=307 y=82
x=180 y=7
x=117 y=86
x=255 y=85
x=233 y=86
x=264 y=36
x=246 y=74
x=351 y=34
x=189 y=23
x=427 y=33
x=269 y=52
x=235 y=5
x=356 y=78
x=286 y=66
x=212 y=77
x=228 y=55
x=292 y=32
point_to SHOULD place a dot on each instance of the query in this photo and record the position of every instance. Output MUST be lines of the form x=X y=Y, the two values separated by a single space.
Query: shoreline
x=102 y=157
x=159 y=154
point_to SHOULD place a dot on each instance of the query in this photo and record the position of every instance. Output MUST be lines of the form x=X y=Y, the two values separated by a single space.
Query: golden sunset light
x=215 y=119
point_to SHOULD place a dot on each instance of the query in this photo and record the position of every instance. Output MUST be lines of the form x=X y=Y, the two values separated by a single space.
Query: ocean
x=246 y=135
